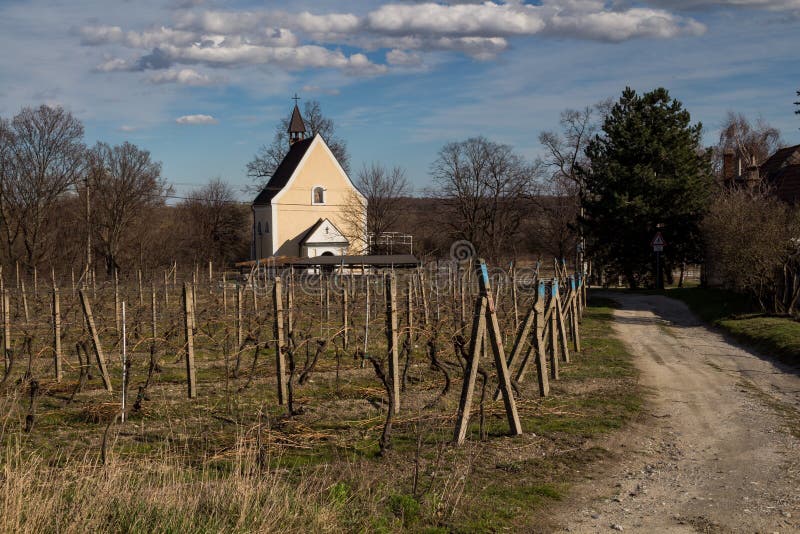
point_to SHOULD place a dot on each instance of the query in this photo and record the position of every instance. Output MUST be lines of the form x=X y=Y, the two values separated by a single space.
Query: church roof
x=296 y=124
x=284 y=172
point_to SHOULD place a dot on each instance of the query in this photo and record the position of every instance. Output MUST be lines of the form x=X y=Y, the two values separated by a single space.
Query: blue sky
x=201 y=84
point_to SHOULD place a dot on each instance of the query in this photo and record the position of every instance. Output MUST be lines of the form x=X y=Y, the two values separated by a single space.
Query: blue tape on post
x=572 y=282
x=554 y=288
x=541 y=289
x=485 y=274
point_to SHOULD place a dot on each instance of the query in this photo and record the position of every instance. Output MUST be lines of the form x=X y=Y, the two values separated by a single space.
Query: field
x=332 y=456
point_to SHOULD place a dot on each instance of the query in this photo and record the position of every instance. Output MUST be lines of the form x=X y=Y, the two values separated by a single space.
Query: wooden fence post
x=98 y=349
x=188 y=324
x=57 y=335
x=280 y=344
x=391 y=338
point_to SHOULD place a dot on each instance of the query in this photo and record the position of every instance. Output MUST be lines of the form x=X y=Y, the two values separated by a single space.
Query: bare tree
x=483 y=186
x=560 y=202
x=126 y=185
x=381 y=204
x=766 y=268
x=749 y=142
x=268 y=157
x=42 y=158
x=217 y=225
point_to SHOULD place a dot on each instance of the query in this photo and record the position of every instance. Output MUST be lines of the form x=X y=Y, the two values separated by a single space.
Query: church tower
x=297 y=128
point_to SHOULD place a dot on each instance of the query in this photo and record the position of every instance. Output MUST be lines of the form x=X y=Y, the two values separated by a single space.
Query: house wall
x=294 y=211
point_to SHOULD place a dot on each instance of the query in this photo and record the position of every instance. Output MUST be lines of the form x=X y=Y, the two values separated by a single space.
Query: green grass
x=597 y=394
x=710 y=304
x=774 y=336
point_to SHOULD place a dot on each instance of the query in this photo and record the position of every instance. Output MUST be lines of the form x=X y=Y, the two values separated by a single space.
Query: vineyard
x=277 y=386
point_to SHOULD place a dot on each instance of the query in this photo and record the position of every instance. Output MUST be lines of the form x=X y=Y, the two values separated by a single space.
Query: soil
x=717 y=447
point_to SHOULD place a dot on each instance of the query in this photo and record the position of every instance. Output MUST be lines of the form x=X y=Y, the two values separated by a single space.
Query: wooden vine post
x=238 y=305
x=280 y=344
x=117 y=318
x=6 y=329
x=553 y=330
x=536 y=349
x=485 y=319
x=57 y=335
x=153 y=319
x=345 y=312
x=98 y=349
x=562 y=328
x=391 y=338
x=188 y=327
x=514 y=299
x=573 y=309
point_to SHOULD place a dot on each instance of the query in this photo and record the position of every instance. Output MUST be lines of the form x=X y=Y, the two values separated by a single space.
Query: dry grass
x=233 y=460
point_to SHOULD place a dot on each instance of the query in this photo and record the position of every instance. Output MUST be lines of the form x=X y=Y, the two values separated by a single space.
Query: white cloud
x=96 y=35
x=320 y=90
x=300 y=57
x=403 y=58
x=323 y=24
x=488 y=19
x=623 y=25
x=125 y=128
x=183 y=77
x=112 y=65
x=306 y=40
x=771 y=5
x=196 y=119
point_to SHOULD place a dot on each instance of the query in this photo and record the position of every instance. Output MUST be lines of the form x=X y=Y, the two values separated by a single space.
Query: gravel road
x=713 y=450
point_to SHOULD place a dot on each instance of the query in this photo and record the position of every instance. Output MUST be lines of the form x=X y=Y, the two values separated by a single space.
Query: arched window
x=318 y=195
x=259 y=227
x=266 y=227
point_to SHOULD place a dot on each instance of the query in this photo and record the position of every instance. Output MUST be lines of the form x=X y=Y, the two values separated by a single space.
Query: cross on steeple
x=295 y=98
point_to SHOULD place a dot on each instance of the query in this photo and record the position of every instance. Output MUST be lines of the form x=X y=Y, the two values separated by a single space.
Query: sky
x=201 y=84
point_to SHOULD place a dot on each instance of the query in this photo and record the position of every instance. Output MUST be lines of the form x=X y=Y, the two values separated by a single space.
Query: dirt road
x=713 y=450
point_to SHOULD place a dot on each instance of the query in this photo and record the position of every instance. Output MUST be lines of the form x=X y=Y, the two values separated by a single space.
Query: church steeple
x=297 y=128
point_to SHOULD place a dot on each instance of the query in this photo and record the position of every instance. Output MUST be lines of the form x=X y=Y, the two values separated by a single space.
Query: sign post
x=658 y=243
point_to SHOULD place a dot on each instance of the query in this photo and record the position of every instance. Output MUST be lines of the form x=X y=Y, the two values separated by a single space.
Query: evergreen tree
x=647 y=172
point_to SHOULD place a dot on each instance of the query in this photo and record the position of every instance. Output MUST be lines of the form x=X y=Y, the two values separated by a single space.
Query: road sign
x=658 y=242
